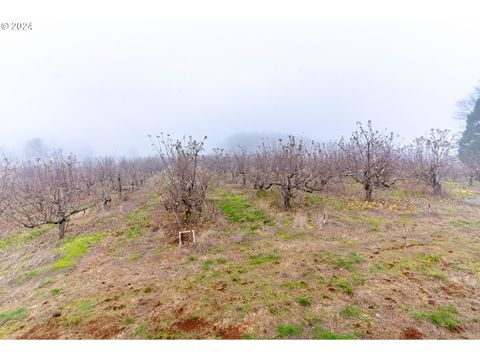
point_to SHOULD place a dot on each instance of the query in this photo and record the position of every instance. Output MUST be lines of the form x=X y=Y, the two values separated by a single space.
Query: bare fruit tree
x=370 y=158
x=290 y=171
x=46 y=192
x=260 y=174
x=241 y=164
x=323 y=165
x=429 y=157
x=186 y=183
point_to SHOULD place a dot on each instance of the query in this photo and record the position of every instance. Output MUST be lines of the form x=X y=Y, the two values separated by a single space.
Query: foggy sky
x=101 y=88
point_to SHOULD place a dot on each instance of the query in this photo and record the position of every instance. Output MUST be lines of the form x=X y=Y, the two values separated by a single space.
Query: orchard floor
x=390 y=269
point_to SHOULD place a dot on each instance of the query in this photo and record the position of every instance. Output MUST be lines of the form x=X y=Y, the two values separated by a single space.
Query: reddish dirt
x=42 y=331
x=230 y=333
x=411 y=334
x=102 y=328
x=190 y=325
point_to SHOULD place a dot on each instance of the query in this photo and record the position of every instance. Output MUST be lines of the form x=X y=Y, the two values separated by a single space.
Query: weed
x=303 y=301
x=56 y=291
x=206 y=264
x=135 y=257
x=129 y=321
x=192 y=258
x=148 y=290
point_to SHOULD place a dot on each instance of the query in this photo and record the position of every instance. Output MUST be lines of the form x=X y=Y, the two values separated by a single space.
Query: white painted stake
x=185 y=232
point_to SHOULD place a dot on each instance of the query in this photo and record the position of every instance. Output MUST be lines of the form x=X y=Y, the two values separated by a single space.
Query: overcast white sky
x=97 y=88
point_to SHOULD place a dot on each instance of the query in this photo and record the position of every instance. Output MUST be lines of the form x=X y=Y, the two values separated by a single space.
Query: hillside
x=388 y=269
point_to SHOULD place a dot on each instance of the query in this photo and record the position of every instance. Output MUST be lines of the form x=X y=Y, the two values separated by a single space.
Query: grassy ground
x=382 y=270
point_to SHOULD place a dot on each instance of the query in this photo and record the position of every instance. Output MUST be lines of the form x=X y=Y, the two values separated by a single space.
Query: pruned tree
x=218 y=163
x=261 y=173
x=241 y=164
x=370 y=157
x=429 y=157
x=46 y=192
x=186 y=183
x=107 y=174
x=323 y=165
x=289 y=169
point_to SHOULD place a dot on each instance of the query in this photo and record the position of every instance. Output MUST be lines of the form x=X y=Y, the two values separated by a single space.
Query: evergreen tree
x=469 y=145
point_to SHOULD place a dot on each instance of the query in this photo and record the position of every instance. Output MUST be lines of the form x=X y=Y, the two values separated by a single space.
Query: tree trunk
x=368 y=192
x=61 y=229
x=437 y=188
x=470 y=180
x=286 y=202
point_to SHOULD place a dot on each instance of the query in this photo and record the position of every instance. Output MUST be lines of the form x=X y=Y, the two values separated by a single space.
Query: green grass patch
x=349 y=262
x=207 y=264
x=291 y=285
x=56 y=291
x=330 y=202
x=462 y=223
x=442 y=316
x=321 y=334
x=45 y=283
x=142 y=331
x=134 y=257
x=377 y=268
x=238 y=210
x=148 y=290
x=285 y=331
x=14 y=315
x=129 y=321
x=260 y=259
x=342 y=284
x=80 y=310
x=137 y=221
x=351 y=312
x=74 y=249
x=23 y=237
x=303 y=301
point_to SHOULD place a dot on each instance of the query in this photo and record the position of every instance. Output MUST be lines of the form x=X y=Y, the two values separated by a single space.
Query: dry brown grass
x=364 y=275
